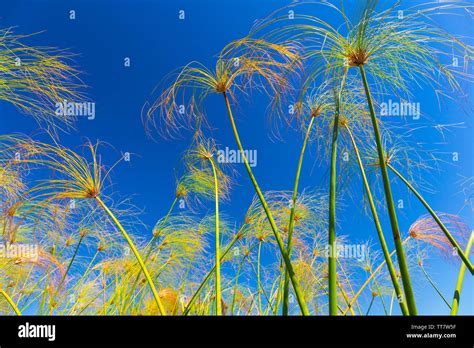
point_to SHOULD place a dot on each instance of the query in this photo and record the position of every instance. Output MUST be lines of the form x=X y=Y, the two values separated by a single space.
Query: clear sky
x=150 y=33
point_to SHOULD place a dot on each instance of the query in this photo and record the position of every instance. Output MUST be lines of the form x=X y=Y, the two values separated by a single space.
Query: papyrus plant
x=244 y=64
x=77 y=177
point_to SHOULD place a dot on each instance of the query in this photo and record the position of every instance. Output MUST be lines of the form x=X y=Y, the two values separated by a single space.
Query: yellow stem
x=10 y=301
x=137 y=255
x=218 y=258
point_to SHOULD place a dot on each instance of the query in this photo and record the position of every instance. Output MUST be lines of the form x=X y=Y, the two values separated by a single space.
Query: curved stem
x=137 y=255
x=402 y=262
x=462 y=270
x=378 y=227
x=151 y=245
x=451 y=239
x=10 y=301
x=209 y=274
x=289 y=266
x=291 y=224
x=218 y=258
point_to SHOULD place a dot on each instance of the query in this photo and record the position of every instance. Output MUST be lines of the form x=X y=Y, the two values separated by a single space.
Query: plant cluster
x=90 y=255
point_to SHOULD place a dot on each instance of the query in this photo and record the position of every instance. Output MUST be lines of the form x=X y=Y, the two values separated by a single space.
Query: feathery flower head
x=426 y=230
x=35 y=79
x=242 y=65
x=397 y=45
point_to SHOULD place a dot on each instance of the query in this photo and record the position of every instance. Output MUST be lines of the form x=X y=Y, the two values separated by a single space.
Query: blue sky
x=150 y=33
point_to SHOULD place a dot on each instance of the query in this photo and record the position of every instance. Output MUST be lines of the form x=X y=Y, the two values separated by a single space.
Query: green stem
x=67 y=271
x=332 y=258
x=280 y=287
x=409 y=295
x=43 y=298
x=378 y=227
x=260 y=289
x=27 y=305
x=381 y=297
x=289 y=266
x=78 y=285
x=94 y=298
x=432 y=283
x=184 y=284
x=162 y=224
x=32 y=289
x=137 y=255
x=10 y=301
x=209 y=274
x=140 y=295
x=273 y=295
x=323 y=288
x=286 y=286
x=218 y=259
x=234 y=295
x=391 y=302
x=259 y=297
x=88 y=270
x=462 y=270
x=341 y=267
x=151 y=245
x=370 y=305
x=80 y=282
x=459 y=251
